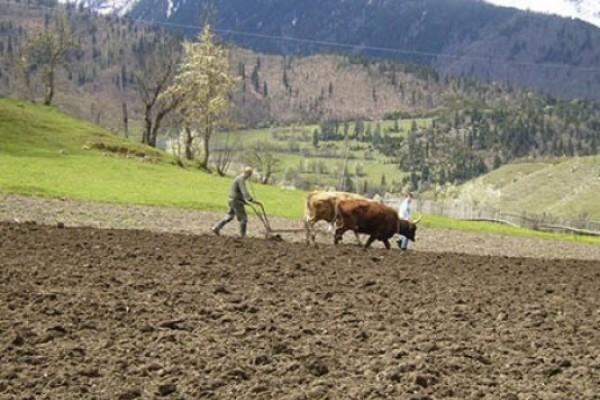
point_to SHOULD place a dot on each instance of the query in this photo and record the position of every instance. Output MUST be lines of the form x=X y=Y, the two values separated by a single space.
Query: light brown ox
x=321 y=206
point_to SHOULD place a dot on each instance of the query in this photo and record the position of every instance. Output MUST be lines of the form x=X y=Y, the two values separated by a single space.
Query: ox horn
x=418 y=219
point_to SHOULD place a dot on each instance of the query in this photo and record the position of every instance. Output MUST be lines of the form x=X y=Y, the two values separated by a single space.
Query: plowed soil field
x=89 y=313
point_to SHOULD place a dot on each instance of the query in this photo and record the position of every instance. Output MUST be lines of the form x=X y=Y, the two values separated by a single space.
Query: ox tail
x=308 y=216
x=308 y=210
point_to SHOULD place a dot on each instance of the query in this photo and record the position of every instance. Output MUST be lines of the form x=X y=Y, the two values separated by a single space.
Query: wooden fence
x=469 y=211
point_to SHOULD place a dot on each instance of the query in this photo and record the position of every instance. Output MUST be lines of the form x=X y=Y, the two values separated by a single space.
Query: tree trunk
x=160 y=115
x=125 y=121
x=205 y=148
x=189 y=141
x=147 y=135
x=49 y=95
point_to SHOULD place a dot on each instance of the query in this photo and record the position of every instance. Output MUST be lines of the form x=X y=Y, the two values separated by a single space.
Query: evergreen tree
x=286 y=82
x=346 y=129
x=254 y=78
x=315 y=139
x=242 y=70
x=497 y=162
x=349 y=184
x=383 y=182
x=368 y=137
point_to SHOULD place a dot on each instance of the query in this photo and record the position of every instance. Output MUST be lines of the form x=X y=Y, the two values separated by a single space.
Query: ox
x=320 y=206
x=377 y=220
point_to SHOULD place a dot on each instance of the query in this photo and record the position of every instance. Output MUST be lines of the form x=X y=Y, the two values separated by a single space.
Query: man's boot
x=243 y=227
x=217 y=229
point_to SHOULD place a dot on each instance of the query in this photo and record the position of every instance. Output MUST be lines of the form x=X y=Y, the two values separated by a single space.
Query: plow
x=274 y=234
x=270 y=233
x=261 y=214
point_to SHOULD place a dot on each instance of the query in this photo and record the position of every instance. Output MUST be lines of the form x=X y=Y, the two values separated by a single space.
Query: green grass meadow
x=42 y=154
x=435 y=222
x=46 y=153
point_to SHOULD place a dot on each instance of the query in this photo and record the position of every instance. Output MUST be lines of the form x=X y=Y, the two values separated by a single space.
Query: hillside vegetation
x=472 y=127
x=354 y=154
x=565 y=188
x=46 y=153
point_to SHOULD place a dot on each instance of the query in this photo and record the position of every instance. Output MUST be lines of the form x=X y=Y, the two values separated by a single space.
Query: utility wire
x=488 y=60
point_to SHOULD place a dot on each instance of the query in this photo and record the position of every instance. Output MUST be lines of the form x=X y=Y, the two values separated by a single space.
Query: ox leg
x=386 y=243
x=338 y=235
x=358 y=238
x=369 y=242
x=331 y=227
x=313 y=232
x=311 y=235
x=307 y=228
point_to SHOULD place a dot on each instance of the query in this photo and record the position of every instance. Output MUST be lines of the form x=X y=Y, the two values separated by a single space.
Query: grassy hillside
x=46 y=153
x=567 y=188
x=306 y=164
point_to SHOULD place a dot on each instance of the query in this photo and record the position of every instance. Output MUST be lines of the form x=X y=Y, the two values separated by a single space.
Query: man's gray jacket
x=238 y=190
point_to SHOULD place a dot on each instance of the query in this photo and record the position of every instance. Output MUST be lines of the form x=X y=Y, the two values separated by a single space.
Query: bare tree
x=226 y=148
x=203 y=86
x=153 y=77
x=45 y=50
x=262 y=157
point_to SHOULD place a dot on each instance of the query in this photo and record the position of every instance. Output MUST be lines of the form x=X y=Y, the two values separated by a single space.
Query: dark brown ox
x=320 y=206
x=377 y=220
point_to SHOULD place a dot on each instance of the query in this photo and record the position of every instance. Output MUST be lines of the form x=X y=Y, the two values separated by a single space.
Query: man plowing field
x=238 y=198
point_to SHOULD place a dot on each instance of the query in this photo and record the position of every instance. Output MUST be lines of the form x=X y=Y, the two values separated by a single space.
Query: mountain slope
x=585 y=10
x=465 y=37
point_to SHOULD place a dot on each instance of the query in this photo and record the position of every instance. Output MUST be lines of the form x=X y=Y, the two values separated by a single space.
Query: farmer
x=238 y=197
x=404 y=212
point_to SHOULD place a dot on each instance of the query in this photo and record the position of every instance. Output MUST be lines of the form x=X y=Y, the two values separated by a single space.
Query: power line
x=488 y=60
x=389 y=50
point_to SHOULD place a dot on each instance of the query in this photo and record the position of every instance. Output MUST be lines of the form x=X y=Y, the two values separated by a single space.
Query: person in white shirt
x=404 y=212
